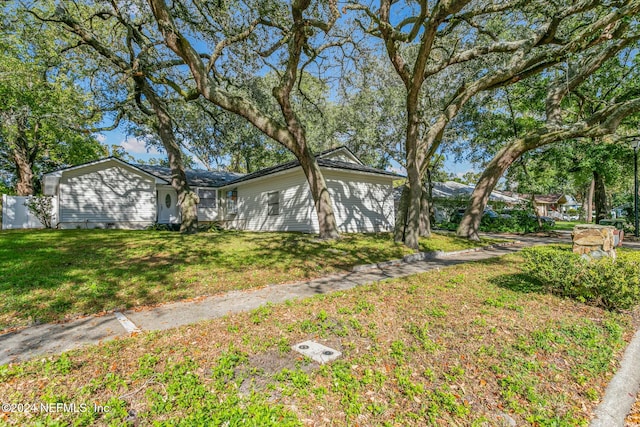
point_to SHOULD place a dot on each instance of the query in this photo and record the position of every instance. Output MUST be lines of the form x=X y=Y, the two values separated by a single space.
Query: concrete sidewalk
x=59 y=337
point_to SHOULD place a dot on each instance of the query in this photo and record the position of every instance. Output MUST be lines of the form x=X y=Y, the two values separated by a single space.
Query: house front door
x=167 y=207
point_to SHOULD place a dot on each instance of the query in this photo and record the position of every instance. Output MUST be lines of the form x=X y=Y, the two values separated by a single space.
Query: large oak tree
x=45 y=118
x=225 y=45
x=448 y=51
x=589 y=97
x=112 y=44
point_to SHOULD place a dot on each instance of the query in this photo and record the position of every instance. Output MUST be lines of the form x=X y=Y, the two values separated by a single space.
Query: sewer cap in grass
x=316 y=351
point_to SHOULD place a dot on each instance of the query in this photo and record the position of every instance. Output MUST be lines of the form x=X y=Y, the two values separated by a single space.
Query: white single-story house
x=111 y=193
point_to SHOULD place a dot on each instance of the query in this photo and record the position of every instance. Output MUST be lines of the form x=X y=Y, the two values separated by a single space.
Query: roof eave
x=59 y=172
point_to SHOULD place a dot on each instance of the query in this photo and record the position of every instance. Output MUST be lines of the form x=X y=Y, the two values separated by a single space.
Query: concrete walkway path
x=55 y=338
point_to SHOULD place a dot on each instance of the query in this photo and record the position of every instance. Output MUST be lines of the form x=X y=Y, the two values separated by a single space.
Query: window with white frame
x=232 y=201
x=207 y=198
x=273 y=203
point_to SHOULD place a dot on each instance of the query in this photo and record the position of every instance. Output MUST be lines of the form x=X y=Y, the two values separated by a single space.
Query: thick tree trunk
x=24 y=172
x=600 y=195
x=414 y=157
x=425 y=214
x=290 y=136
x=187 y=199
x=412 y=231
x=328 y=228
x=432 y=209
x=23 y=159
x=470 y=223
x=401 y=215
x=589 y=202
x=536 y=212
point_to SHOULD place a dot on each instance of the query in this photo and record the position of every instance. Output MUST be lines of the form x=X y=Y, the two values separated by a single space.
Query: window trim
x=232 y=201
x=273 y=208
x=204 y=191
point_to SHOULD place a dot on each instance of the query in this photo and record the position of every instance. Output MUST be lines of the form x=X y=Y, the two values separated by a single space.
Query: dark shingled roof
x=326 y=163
x=195 y=178
x=203 y=178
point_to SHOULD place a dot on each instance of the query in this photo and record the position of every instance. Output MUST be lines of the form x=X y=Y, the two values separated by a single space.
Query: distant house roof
x=547 y=199
x=457 y=190
x=195 y=177
x=550 y=199
x=453 y=190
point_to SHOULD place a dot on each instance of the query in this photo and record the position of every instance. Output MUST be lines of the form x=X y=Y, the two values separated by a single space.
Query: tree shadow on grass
x=310 y=254
x=50 y=274
x=519 y=282
x=47 y=275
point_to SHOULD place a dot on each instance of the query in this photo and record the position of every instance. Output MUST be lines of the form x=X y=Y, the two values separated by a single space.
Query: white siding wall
x=106 y=195
x=295 y=204
x=361 y=203
x=208 y=213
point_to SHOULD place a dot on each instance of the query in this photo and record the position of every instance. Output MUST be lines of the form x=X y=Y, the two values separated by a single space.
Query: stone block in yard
x=594 y=240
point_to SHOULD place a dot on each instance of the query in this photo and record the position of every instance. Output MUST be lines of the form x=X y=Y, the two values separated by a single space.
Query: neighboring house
x=551 y=205
x=555 y=205
x=453 y=190
x=111 y=193
x=450 y=195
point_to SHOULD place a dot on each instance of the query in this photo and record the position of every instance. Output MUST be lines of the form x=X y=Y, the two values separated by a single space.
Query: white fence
x=16 y=215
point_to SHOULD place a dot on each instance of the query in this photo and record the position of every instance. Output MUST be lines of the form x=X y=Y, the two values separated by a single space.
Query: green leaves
x=608 y=283
x=45 y=115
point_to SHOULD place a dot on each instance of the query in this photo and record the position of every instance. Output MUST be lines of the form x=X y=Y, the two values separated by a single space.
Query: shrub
x=158 y=227
x=213 y=227
x=42 y=208
x=607 y=283
x=520 y=221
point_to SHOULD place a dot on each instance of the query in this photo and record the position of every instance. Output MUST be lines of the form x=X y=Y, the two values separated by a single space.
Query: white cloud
x=137 y=146
x=100 y=137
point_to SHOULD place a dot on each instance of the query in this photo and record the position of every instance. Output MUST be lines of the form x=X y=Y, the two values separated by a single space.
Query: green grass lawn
x=475 y=344
x=566 y=225
x=51 y=275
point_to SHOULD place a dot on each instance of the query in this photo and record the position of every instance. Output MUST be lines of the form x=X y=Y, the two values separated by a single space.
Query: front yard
x=58 y=274
x=474 y=344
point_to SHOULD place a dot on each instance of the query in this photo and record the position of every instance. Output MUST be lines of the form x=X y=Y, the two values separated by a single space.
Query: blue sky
x=137 y=148
x=131 y=144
